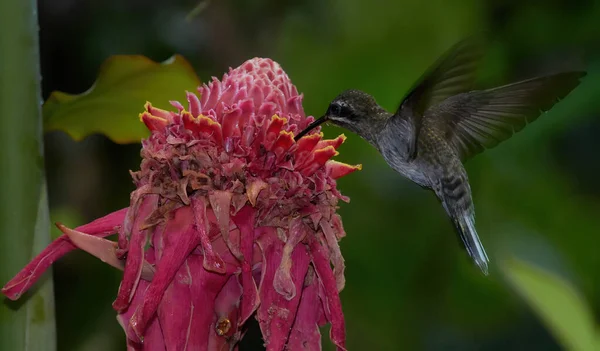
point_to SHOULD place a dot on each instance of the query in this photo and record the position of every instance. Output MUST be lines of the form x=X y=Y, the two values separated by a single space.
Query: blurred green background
x=409 y=284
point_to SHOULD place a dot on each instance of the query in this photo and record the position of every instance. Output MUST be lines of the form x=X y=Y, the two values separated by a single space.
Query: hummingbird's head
x=354 y=110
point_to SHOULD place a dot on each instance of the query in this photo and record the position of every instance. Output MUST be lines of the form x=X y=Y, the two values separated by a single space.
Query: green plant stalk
x=27 y=324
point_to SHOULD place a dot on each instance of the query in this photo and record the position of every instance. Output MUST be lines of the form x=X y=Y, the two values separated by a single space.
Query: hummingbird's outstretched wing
x=481 y=119
x=452 y=74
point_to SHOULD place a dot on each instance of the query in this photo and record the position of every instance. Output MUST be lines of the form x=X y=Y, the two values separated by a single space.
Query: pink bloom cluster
x=231 y=218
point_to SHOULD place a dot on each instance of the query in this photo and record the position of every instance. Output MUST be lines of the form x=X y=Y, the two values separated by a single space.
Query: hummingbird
x=442 y=122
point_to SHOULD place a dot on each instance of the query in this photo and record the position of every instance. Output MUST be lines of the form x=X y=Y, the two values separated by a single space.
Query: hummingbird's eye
x=335 y=110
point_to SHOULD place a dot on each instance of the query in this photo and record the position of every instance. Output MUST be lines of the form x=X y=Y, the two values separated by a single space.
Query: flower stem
x=26 y=324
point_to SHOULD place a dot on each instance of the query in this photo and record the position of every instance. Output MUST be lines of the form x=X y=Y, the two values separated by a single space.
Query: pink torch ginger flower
x=231 y=218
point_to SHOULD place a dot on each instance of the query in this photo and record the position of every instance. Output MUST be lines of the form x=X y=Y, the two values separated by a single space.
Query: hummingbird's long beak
x=311 y=126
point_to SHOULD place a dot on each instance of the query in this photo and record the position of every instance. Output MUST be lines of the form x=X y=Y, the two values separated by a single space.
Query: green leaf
x=27 y=324
x=113 y=104
x=557 y=302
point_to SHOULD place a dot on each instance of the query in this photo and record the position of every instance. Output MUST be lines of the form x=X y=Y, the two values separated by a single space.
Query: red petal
x=157 y=112
x=336 y=254
x=337 y=169
x=225 y=332
x=273 y=130
x=220 y=202
x=154 y=340
x=135 y=255
x=305 y=334
x=333 y=142
x=176 y=310
x=244 y=220
x=253 y=188
x=319 y=158
x=193 y=103
x=282 y=282
x=204 y=288
x=103 y=249
x=283 y=143
x=276 y=313
x=336 y=316
x=101 y=227
x=203 y=124
x=212 y=261
x=180 y=238
x=230 y=126
x=153 y=122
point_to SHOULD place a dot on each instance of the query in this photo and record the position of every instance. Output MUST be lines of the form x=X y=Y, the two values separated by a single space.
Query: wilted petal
x=135 y=254
x=276 y=313
x=179 y=243
x=332 y=297
x=282 y=282
x=103 y=249
x=305 y=333
x=100 y=227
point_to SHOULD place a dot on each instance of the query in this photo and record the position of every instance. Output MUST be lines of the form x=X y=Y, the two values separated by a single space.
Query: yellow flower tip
x=276 y=117
x=286 y=133
x=358 y=167
x=209 y=121
x=343 y=137
x=147 y=106
x=186 y=114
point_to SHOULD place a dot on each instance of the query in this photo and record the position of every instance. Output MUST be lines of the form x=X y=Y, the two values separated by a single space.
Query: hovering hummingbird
x=441 y=123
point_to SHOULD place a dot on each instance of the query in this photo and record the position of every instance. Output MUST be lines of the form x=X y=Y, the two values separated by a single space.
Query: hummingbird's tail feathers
x=465 y=224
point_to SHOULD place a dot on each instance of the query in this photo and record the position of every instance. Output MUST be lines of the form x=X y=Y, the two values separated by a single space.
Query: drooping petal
x=212 y=260
x=245 y=221
x=155 y=340
x=336 y=254
x=100 y=227
x=176 y=311
x=276 y=313
x=337 y=169
x=205 y=287
x=220 y=202
x=282 y=282
x=135 y=254
x=180 y=238
x=332 y=297
x=103 y=249
x=305 y=333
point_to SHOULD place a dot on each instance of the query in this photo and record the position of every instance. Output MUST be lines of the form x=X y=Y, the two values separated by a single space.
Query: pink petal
x=275 y=313
x=154 y=340
x=305 y=333
x=205 y=286
x=103 y=249
x=244 y=220
x=336 y=316
x=254 y=187
x=220 y=202
x=176 y=310
x=212 y=260
x=180 y=238
x=336 y=254
x=101 y=227
x=135 y=254
x=226 y=332
x=337 y=169
x=282 y=282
